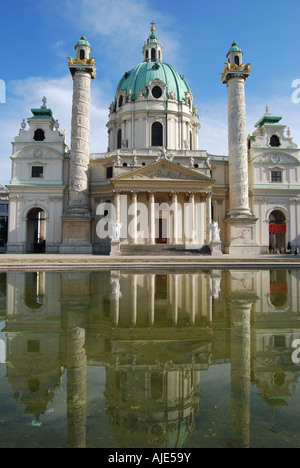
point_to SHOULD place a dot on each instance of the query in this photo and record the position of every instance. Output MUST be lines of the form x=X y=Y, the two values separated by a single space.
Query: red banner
x=278 y=288
x=277 y=228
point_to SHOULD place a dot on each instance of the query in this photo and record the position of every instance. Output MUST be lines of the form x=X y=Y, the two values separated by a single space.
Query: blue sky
x=37 y=36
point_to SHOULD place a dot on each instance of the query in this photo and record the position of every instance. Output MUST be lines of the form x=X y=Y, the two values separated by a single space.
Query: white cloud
x=117 y=29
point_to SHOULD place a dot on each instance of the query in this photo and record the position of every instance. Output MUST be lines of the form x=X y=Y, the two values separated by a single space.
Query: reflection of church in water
x=155 y=335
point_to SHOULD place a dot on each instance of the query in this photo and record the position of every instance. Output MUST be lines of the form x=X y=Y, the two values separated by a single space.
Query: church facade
x=154 y=190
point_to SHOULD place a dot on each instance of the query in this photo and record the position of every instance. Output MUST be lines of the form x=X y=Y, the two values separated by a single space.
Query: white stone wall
x=135 y=119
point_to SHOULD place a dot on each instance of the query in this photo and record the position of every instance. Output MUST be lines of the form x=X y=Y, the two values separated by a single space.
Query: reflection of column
x=175 y=217
x=193 y=298
x=75 y=300
x=152 y=218
x=152 y=299
x=133 y=299
x=240 y=372
x=115 y=296
x=174 y=299
x=134 y=221
x=76 y=382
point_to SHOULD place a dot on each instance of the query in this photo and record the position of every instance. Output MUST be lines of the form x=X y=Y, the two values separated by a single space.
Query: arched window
x=39 y=135
x=237 y=60
x=82 y=54
x=274 y=141
x=153 y=55
x=157 y=134
x=119 y=139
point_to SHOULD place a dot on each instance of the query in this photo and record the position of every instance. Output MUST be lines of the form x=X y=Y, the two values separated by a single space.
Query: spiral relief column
x=77 y=220
x=241 y=224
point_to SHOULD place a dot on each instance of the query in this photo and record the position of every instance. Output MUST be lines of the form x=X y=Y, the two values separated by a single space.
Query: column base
x=241 y=236
x=76 y=236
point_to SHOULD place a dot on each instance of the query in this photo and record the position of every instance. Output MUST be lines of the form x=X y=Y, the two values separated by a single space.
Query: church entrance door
x=36 y=231
x=161 y=231
x=277 y=231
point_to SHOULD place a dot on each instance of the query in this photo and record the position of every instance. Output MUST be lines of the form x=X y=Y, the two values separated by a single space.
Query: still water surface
x=158 y=359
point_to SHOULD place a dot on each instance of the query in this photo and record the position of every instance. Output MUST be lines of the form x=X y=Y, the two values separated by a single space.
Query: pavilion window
x=39 y=135
x=274 y=141
x=276 y=176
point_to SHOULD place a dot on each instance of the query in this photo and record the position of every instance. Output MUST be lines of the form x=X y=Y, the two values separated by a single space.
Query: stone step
x=161 y=249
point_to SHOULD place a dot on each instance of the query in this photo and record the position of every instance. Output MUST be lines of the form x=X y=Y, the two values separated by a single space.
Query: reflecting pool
x=158 y=359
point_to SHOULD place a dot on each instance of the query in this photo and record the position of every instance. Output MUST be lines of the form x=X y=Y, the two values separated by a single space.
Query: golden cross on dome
x=153 y=28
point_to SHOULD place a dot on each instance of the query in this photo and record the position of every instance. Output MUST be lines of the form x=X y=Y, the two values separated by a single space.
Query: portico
x=162 y=203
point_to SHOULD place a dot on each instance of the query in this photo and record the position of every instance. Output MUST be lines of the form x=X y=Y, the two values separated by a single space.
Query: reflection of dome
x=137 y=79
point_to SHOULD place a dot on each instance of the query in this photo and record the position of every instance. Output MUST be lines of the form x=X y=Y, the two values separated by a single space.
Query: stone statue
x=118 y=160
x=23 y=124
x=115 y=230
x=214 y=227
x=44 y=101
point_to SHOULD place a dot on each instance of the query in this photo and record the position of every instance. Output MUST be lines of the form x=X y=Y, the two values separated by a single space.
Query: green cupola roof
x=83 y=42
x=268 y=119
x=234 y=48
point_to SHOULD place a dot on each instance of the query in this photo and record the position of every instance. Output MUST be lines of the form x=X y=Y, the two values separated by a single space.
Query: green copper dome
x=137 y=79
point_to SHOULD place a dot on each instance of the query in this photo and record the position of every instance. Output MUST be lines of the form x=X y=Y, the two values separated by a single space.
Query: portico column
x=133 y=224
x=117 y=206
x=208 y=217
x=192 y=217
x=175 y=217
x=152 y=218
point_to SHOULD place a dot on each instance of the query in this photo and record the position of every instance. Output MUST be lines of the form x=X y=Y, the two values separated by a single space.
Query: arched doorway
x=277 y=231
x=36 y=231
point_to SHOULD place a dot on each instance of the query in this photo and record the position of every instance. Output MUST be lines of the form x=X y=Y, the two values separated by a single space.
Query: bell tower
x=77 y=219
x=240 y=222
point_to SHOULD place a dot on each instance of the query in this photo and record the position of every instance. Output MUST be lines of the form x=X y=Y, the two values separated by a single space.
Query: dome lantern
x=152 y=50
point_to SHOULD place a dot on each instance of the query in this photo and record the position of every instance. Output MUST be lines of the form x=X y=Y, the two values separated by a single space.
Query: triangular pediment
x=164 y=170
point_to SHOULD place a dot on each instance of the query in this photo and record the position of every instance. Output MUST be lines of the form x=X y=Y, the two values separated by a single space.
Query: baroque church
x=154 y=190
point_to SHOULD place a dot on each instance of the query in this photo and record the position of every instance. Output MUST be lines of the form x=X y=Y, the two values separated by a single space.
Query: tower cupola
x=235 y=55
x=152 y=50
x=83 y=49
